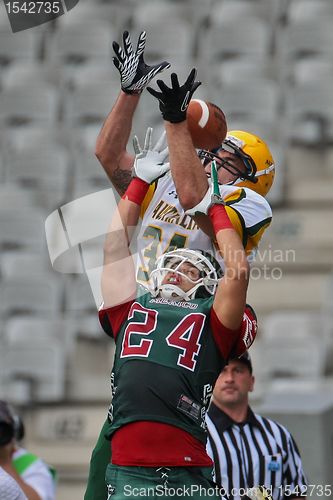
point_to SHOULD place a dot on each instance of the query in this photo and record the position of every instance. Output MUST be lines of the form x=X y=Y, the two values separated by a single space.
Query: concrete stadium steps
x=304 y=292
x=298 y=239
x=309 y=176
x=64 y=435
x=89 y=370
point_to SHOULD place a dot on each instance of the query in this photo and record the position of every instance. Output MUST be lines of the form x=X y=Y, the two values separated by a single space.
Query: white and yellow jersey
x=166 y=226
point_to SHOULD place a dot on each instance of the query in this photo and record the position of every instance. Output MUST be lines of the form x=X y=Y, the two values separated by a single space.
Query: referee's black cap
x=246 y=359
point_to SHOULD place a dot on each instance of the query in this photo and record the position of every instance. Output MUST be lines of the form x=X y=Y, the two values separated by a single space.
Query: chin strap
x=255 y=178
x=166 y=291
x=266 y=171
x=172 y=292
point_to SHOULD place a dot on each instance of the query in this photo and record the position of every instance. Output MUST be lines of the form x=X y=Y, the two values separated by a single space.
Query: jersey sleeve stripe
x=238 y=223
x=263 y=224
x=148 y=198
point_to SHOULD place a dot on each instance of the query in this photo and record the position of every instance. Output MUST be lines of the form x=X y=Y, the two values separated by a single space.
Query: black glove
x=135 y=74
x=174 y=101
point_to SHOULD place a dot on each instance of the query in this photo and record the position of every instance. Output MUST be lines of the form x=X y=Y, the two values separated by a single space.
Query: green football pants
x=194 y=483
x=100 y=459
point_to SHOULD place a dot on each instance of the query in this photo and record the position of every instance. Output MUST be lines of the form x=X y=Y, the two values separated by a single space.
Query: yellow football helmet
x=256 y=156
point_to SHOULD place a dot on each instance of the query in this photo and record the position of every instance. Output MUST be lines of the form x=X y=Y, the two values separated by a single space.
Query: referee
x=249 y=450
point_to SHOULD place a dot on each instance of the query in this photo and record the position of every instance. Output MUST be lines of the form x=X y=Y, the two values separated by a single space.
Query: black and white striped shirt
x=256 y=452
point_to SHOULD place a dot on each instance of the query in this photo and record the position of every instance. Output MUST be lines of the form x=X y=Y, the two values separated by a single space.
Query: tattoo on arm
x=121 y=179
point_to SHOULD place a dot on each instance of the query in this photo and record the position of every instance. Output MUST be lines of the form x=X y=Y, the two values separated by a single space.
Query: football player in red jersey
x=171 y=343
x=111 y=150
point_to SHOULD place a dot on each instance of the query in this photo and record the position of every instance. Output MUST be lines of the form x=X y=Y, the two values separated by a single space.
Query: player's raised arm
x=188 y=173
x=230 y=298
x=112 y=140
x=118 y=276
x=189 y=177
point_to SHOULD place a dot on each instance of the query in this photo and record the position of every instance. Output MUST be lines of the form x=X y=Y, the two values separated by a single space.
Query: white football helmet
x=204 y=286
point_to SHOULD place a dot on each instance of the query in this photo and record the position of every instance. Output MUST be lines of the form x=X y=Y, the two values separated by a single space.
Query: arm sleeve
x=224 y=337
x=248 y=333
x=112 y=318
x=294 y=476
x=250 y=214
x=40 y=479
x=148 y=198
x=233 y=343
x=9 y=488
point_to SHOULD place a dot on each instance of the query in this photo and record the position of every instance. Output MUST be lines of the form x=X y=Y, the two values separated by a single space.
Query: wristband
x=219 y=217
x=136 y=191
x=132 y=92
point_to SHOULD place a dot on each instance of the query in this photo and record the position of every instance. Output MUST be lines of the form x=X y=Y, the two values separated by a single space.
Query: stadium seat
x=312 y=69
x=24 y=229
x=244 y=69
x=257 y=100
x=97 y=72
x=64 y=436
x=35 y=295
x=83 y=140
x=298 y=239
x=310 y=118
x=28 y=73
x=44 y=171
x=22 y=105
x=223 y=41
x=156 y=12
x=87 y=326
x=163 y=36
x=2 y=169
x=271 y=289
x=14 y=196
x=309 y=10
x=89 y=104
x=24 y=329
x=231 y=10
x=89 y=176
x=327 y=308
x=31 y=138
x=41 y=365
x=15 y=47
x=84 y=13
x=305 y=39
x=21 y=263
x=89 y=369
x=289 y=337
x=234 y=11
x=79 y=297
x=311 y=192
x=76 y=44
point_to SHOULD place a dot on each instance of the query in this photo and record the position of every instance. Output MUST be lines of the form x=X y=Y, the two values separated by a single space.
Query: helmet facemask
x=201 y=274
x=240 y=175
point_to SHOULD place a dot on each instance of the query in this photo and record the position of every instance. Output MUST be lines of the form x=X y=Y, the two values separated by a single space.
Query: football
x=207 y=124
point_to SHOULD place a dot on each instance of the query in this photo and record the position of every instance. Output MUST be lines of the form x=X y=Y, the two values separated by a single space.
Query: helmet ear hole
x=257 y=150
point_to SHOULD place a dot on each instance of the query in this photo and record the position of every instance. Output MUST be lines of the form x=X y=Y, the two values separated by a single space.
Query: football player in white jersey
x=246 y=173
x=164 y=222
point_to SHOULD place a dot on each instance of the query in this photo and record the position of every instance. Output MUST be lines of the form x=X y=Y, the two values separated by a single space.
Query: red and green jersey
x=168 y=357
